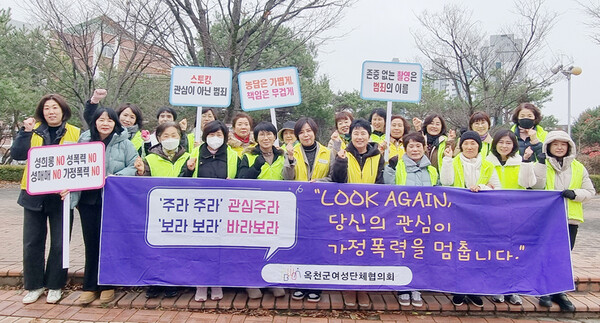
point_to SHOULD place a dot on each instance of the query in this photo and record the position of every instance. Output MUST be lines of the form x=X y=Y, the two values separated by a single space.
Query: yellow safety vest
x=273 y=171
x=320 y=165
x=368 y=174
x=509 y=177
x=232 y=162
x=485 y=173
x=71 y=136
x=137 y=141
x=376 y=138
x=401 y=173
x=161 y=167
x=190 y=139
x=574 y=208
x=485 y=149
x=396 y=150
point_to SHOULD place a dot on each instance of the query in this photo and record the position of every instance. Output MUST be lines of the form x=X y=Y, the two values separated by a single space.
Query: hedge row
x=11 y=173
x=596 y=180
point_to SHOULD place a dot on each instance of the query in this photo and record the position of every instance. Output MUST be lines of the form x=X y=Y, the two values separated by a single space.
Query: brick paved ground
x=132 y=306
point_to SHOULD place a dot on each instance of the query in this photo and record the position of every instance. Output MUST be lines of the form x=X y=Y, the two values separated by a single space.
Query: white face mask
x=214 y=142
x=170 y=144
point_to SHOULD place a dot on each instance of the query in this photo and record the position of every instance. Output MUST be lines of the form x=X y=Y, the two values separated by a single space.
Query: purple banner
x=252 y=233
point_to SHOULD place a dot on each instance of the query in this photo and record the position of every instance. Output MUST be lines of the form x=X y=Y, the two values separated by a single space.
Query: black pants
x=35 y=230
x=573 y=234
x=90 y=226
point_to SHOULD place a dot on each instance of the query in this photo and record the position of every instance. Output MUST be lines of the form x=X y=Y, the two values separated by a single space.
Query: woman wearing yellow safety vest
x=265 y=161
x=562 y=172
x=341 y=136
x=361 y=161
x=398 y=128
x=411 y=169
x=213 y=159
x=513 y=174
x=120 y=157
x=530 y=134
x=310 y=160
x=241 y=138
x=51 y=128
x=168 y=114
x=377 y=119
x=468 y=170
x=168 y=158
x=434 y=130
x=480 y=122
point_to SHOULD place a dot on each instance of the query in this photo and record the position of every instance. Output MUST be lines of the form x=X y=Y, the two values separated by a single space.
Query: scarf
x=471 y=169
x=245 y=141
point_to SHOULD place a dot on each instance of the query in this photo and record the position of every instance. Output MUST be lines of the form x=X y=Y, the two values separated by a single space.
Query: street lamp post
x=567 y=71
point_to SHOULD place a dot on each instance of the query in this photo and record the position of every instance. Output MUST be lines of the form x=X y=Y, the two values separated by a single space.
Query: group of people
x=522 y=157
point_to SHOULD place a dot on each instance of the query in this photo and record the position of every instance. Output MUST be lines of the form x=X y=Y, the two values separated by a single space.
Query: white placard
x=391 y=81
x=265 y=89
x=76 y=167
x=200 y=86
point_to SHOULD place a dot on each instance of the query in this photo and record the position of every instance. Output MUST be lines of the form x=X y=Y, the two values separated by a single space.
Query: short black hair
x=139 y=120
x=167 y=109
x=264 y=126
x=380 y=112
x=163 y=126
x=360 y=123
x=112 y=115
x=501 y=134
x=214 y=126
x=414 y=136
x=301 y=122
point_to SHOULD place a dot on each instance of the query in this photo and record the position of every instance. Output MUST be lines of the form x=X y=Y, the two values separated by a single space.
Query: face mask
x=526 y=123
x=170 y=144
x=214 y=142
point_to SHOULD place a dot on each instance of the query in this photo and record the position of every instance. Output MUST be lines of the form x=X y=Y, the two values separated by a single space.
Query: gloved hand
x=259 y=162
x=570 y=194
x=393 y=162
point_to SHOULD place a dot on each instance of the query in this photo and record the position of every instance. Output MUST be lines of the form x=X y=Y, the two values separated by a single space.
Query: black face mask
x=526 y=123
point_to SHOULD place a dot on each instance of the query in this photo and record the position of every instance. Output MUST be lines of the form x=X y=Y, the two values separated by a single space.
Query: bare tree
x=236 y=33
x=592 y=10
x=100 y=44
x=494 y=73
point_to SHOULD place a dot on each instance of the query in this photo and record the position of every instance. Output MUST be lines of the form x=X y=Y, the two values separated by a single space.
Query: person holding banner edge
x=561 y=171
x=120 y=156
x=51 y=128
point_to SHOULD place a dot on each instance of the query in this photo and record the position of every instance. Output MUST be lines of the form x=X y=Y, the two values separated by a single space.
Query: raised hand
x=98 y=95
x=28 y=124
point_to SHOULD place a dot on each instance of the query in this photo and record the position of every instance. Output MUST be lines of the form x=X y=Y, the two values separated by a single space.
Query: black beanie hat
x=470 y=135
